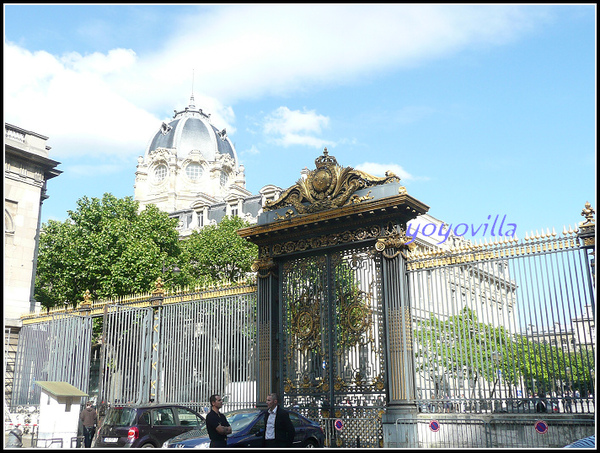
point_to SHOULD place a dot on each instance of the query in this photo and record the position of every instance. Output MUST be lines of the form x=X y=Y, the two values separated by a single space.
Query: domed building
x=191 y=170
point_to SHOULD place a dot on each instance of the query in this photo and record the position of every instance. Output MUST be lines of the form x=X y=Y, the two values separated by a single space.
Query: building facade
x=27 y=168
x=191 y=170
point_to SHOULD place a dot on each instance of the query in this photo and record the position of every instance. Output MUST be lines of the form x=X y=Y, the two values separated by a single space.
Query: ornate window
x=194 y=171
x=224 y=178
x=160 y=173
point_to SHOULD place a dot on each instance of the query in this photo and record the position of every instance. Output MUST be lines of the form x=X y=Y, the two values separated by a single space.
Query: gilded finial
x=588 y=212
x=87 y=299
x=159 y=286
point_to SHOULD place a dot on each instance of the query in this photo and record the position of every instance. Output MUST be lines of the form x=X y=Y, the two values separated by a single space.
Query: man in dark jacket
x=279 y=430
x=89 y=418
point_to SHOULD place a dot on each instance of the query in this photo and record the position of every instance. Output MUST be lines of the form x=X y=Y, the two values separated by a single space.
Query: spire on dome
x=192 y=103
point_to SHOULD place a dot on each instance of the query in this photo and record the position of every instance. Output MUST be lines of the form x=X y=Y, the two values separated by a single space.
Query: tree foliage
x=461 y=346
x=106 y=247
x=216 y=253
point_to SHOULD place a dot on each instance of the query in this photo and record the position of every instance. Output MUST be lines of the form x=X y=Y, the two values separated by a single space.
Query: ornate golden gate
x=333 y=354
x=328 y=278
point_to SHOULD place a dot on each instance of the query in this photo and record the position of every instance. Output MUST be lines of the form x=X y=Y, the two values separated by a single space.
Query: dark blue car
x=247 y=426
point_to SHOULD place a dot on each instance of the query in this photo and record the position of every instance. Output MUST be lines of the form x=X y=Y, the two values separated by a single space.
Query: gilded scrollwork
x=356 y=199
x=355 y=318
x=288 y=215
x=305 y=323
x=329 y=186
x=327 y=240
x=264 y=266
x=393 y=243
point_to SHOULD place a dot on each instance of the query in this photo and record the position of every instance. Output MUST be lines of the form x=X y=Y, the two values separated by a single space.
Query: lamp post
x=496 y=359
x=174 y=269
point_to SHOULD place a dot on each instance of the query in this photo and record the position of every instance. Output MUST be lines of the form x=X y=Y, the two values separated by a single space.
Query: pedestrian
x=279 y=430
x=216 y=423
x=447 y=404
x=540 y=405
x=89 y=418
x=567 y=402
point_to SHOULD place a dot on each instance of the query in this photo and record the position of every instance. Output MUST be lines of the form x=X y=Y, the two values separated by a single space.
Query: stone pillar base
x=399 y=426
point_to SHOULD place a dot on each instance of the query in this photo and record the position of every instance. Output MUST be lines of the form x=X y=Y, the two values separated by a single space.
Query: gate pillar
x=398 y=420
x=334 y=327
x=267 y=340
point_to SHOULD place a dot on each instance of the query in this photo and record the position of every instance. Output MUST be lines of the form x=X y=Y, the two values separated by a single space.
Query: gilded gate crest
x=328 y=186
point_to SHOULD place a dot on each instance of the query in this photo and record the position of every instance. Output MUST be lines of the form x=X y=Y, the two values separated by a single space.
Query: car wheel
x=148 y=445
x=311 y=443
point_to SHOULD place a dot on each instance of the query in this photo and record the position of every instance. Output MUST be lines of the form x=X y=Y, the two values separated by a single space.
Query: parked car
x=586 y=442
x=145 y=426
x=247 y=427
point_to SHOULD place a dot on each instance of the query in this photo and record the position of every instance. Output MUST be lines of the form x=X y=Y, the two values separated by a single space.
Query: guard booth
x=60 y=406
x=332 y=315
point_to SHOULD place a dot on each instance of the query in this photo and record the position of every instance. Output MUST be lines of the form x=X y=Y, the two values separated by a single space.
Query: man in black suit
x=279 y=430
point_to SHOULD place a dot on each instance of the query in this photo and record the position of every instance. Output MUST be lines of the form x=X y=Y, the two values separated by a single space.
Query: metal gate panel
x=359 y=339
x=127 y=355
x=207 y=346
x=504 y=328
x=56 y=350
x=333 y=335
x=306 y=349
x=352 y=432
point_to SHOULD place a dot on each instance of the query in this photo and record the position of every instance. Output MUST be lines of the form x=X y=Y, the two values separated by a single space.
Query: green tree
x=106 y=247
x=216 y=253
x=552 y=368
x=461 y=346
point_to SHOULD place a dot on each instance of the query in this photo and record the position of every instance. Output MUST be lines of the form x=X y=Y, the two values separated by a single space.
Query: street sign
x=434 y=425
x=541 y=427
x=338 y=424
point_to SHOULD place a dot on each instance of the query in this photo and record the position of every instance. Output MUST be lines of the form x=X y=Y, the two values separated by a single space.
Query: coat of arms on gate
x=328 y=186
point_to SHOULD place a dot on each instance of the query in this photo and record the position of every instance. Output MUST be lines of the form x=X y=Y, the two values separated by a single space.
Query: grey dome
x=190 y=130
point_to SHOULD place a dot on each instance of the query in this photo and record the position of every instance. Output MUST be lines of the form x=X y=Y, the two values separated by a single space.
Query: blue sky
x=482 y=110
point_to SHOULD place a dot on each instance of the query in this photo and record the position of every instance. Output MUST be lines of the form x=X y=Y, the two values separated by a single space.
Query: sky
x=482 y=110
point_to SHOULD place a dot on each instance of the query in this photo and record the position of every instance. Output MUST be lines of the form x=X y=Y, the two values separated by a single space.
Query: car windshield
x=240 y=420
x=120 y=416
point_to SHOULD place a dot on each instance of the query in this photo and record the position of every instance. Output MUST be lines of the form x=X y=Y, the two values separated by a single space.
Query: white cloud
x=110 y=103
x=294 y=127
x=376 y=169
x=69 y=101
x=99 y=64
x=253 y=150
